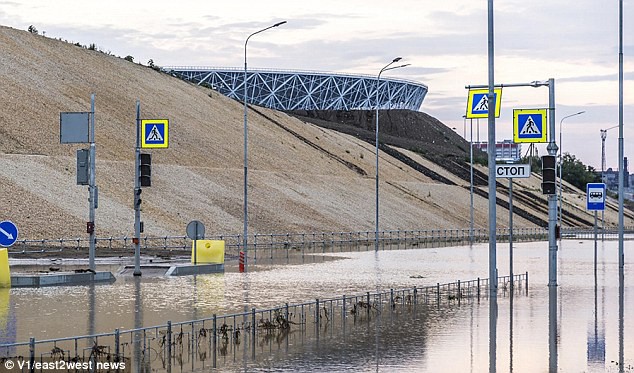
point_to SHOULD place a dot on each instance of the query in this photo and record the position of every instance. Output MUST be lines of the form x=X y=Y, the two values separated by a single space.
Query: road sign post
x=195 y=231
x=552 y=200
x=80 y=128
x=137 y=195
x=512 y=171
x=153 y=134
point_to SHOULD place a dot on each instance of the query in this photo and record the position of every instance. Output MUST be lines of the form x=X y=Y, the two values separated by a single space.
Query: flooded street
x=590 y=329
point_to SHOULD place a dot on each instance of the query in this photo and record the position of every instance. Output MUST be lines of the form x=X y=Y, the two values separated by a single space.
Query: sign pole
x=552 y=199
x=511 y=230
x=471 y=184
x=491 y=149
x=137 y=194
x=196 y=246
x=91 y=189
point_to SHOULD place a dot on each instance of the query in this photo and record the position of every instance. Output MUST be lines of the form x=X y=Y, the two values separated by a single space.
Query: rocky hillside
x=310 y=174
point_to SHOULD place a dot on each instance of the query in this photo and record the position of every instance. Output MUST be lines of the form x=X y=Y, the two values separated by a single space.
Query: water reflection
x=8 y=323
x=522 y=332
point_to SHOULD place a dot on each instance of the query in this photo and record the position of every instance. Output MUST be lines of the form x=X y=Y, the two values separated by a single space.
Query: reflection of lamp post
x=376 y=189
x=244 y=238
x=561 y=164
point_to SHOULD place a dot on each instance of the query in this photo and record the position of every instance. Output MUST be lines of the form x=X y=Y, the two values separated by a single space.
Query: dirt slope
x=302 y=177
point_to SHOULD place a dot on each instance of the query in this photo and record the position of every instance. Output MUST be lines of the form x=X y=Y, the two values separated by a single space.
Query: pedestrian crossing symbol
x=529 y=125
x=478 y=103
x=154 y=133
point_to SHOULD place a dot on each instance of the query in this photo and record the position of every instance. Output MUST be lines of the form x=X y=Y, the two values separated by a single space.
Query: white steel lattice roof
x=299 y=90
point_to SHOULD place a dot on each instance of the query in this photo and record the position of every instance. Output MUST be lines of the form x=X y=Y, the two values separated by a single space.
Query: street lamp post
x=561 y=164
x=604 y=135
x=376 y=142
x=246 y=167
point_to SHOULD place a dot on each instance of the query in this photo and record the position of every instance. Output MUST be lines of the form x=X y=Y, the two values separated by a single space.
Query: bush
x=32 y=30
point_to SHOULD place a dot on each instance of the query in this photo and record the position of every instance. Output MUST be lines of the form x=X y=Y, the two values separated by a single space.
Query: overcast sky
x=573 y=41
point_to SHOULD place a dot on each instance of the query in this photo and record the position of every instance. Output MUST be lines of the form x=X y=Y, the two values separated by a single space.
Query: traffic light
x=145 y=169
x=137 y=197
x=548 y=175
x=83 y=166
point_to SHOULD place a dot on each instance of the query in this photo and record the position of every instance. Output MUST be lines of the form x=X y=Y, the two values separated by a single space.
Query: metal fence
x=310 y=242
x=208 y=341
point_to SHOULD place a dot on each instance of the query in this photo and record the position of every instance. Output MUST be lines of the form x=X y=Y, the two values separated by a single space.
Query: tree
x=32 y=30
x=129 y=58
x=576 y=173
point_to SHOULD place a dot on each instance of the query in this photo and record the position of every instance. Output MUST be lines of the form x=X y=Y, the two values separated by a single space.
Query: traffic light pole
x=552 y=198
x=137 y=194
x=91 y=189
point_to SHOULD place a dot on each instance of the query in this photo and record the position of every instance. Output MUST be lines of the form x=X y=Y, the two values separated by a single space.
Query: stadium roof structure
x=307 y=90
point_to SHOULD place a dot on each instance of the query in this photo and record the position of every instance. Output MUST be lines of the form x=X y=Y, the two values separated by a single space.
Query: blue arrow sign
x=8 y=233
x=595 y=193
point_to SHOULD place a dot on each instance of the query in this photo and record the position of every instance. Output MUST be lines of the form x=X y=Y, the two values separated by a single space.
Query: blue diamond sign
x=154 y=133
x=8 y=233
x=529 y=125
x=478 y=103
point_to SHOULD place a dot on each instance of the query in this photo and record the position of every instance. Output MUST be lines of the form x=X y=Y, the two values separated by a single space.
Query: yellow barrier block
x=5 y=274
x=209 y=251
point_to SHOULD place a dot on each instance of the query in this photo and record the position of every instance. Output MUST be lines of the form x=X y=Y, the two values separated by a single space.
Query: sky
x=575 y=42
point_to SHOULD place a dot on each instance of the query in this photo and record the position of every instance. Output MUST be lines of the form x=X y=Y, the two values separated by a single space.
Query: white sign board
x=512 y=170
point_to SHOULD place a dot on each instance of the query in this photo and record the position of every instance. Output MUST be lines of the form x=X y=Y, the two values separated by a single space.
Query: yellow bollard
x=5 y=274
x=209 y=251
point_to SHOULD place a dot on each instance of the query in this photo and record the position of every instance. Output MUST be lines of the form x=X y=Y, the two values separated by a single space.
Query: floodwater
x=583 y=325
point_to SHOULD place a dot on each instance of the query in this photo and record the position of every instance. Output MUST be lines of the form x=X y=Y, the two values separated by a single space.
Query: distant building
x=611 y=177
x=505 y=150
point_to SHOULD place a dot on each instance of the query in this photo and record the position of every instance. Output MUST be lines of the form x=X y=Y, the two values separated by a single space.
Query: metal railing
x=311 y=242
x=212 y=338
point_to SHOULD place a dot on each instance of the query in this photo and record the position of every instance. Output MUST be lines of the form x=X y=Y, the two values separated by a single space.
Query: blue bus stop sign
x=8 y=233
x=595 y=193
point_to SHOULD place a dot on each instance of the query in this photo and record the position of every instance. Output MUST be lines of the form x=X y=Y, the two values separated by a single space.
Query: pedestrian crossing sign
x=478 y=103
x=529 y=125
x=154 y=133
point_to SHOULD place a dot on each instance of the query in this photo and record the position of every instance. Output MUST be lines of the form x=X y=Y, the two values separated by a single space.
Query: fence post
x=459 y=293
x=213 y=335
x=32 y=353
x=169 y=343
x=478 y=288
x=438 y=292
x=343 y=307
x=415 y=295
x=368 y=295
x=317 y=311
x=116 y=344
x=253 y=322
x=392 y=298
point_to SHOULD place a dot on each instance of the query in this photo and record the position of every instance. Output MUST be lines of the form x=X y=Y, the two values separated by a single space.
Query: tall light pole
x=621 y=150
x=604 y=135
x=246 y=167
x=376 y=143
x=561 y=164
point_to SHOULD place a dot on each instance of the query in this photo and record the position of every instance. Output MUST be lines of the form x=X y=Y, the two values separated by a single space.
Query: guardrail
x=197 y=341
x=305 y=241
